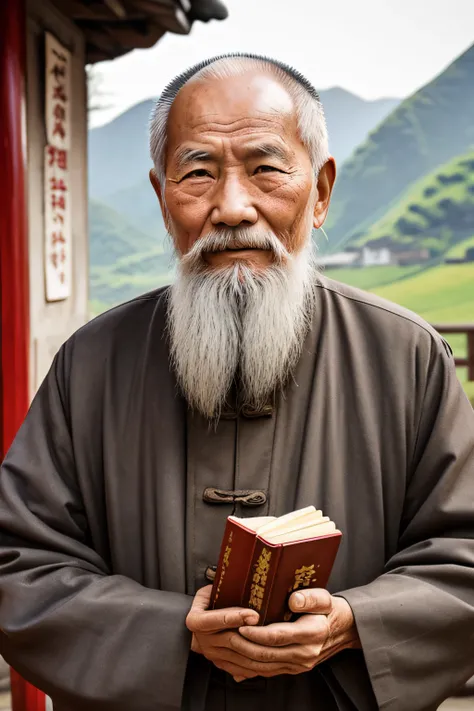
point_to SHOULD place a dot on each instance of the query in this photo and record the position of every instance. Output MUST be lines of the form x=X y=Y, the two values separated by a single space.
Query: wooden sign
x=57 y=193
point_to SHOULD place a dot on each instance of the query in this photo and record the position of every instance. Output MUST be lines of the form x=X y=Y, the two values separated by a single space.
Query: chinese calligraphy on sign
x=259 y=580
x=57 y=193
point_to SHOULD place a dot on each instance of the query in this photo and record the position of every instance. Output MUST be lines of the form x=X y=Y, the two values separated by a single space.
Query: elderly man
x=251 y=374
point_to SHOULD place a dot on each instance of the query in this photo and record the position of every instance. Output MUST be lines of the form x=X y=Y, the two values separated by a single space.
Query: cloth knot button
x=211 y=573
x=247 y=497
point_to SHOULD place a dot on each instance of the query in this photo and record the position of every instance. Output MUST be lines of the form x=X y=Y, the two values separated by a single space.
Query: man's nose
x=233 y=204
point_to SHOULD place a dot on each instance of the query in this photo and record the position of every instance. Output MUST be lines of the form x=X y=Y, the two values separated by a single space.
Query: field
x=441 y=294
x=370 y=278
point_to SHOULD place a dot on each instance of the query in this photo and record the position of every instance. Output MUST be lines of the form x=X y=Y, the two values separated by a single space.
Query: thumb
x=202 y=599
x=201 y=619
x=313 y=600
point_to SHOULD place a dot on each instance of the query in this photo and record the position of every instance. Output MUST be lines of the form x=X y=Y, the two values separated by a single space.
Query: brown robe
x=104 y=534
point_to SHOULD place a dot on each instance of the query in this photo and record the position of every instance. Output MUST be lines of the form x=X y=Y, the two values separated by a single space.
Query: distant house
x=384 y=251
x=408 y=257
x=353 y=257
x=375 y=254
x=371 y=257
x=342 y=260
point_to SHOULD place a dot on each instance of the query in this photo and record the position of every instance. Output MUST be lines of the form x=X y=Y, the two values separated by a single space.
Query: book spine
x=234 y=560
x=260 y=577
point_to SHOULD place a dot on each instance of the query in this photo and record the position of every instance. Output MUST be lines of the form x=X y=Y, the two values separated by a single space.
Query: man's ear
x=326 y=180
x=157 y=187
x=159 y=193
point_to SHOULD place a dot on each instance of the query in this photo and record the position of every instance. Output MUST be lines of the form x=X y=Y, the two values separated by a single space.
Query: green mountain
x=436 y=212
x=112 y=237
x=140 y=206
x=423 y=132
x=124 y=262
x=118 y=151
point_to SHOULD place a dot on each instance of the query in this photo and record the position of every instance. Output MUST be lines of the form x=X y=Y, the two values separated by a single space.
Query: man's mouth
x=232 y=248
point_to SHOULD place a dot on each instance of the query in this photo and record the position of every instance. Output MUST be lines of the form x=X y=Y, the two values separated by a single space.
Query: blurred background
x=80 y=227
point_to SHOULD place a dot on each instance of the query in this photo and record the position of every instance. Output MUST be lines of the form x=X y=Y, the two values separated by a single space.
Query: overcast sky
x=373 y=48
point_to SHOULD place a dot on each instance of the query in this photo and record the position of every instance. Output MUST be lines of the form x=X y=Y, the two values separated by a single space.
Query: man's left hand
x=326 y=627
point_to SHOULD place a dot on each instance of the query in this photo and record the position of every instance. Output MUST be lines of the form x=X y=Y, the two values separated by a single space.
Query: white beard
x=239 y=320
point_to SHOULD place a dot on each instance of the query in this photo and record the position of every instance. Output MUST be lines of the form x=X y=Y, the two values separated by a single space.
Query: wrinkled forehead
x=247 y=102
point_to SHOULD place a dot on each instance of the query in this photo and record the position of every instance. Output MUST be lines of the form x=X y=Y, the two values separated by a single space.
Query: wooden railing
x=468 y=331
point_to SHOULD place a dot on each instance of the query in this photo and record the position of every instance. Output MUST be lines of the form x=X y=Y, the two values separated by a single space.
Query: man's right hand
x=209 y=626
x=214 y=632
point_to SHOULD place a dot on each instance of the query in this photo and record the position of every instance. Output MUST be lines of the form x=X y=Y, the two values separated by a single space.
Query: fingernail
x=298 y=600
x=250 y=619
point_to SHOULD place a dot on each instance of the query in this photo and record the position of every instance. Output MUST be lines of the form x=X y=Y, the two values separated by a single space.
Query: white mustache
x=240 y=238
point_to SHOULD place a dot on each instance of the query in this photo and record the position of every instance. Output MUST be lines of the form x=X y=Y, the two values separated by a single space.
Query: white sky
x=374 y=48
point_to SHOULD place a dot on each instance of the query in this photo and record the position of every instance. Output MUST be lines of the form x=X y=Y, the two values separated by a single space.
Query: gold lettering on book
x=259 y=579
x=225 y=564
x=303 y=577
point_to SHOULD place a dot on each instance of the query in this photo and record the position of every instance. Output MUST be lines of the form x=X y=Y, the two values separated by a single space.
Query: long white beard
x=239 y=321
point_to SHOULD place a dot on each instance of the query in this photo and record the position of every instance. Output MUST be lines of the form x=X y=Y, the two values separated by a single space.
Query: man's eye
x=198 y=173
x=267 y=169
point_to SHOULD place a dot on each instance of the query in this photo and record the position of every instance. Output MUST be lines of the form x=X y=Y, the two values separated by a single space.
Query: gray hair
x=310 y=113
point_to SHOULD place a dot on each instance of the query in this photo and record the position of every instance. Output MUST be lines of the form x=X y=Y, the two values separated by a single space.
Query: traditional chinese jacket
x=110 y=519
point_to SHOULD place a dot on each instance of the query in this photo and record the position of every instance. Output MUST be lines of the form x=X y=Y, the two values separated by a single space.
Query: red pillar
x=14 y=296
x=13 y=227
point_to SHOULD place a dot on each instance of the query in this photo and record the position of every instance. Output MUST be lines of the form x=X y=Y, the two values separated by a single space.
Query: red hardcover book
x=234 y=561
x=263 y=561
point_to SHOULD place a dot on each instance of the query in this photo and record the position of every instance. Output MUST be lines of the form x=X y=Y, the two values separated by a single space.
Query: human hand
x=216 y=636
x=327 y=628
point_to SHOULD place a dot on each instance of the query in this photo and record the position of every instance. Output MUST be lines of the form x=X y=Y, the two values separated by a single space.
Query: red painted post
x=25 y=697
x=14 y=281
x=14 y=278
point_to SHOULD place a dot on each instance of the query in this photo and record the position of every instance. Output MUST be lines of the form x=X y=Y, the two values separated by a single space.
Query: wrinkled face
x=234 y=160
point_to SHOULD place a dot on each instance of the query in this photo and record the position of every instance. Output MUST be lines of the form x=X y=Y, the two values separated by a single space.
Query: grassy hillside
x=424 y=131
x=460 y=249
x=124 y=262
x=441 y=294
x=371 y=277
x=436 y=213
x=140 y=207
x=111 y=237
x=444 y=294
x=108 y=288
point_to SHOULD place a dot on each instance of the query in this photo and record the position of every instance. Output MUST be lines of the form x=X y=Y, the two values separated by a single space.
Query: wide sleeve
x=416 y=621
x=87 y=638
